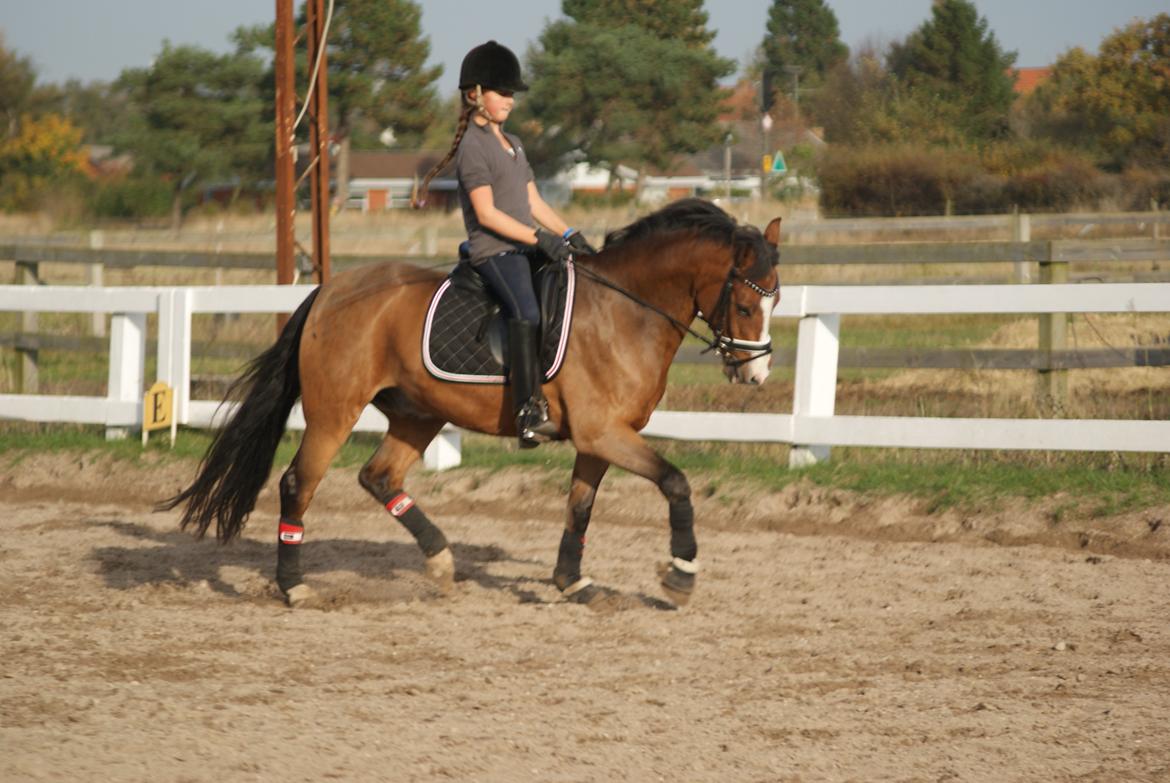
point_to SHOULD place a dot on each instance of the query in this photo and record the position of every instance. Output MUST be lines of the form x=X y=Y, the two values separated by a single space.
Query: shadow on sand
x=175 y=558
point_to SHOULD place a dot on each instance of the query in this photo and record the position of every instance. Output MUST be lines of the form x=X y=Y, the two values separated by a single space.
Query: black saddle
x=464 y=334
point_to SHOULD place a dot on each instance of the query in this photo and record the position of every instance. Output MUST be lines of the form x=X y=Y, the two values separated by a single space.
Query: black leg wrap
x=682 y=530
x=568 y=570
x=288 y=554
x=430 y=539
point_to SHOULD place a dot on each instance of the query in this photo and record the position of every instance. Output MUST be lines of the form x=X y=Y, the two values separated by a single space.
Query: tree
x=804 y=35
x=197 y=116
x=101 y=111
x=953 y=59
x=378 y=77
x=862 y=103
x=680 y=20
x=632 y=82
x=1117 y=104
x=17 y=77
x=44 y=150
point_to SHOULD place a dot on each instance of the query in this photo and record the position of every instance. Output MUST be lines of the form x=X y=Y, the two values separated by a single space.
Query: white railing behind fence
x=812 y=427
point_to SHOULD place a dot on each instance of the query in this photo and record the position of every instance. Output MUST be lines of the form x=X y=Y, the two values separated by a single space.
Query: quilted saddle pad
x=463 y=337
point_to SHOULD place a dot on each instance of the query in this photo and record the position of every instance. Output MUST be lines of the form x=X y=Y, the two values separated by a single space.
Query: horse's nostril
x=754 y=381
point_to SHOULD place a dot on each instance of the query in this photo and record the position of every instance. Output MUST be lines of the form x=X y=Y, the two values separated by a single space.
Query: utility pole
x=727 y=166
x=319 y=137
x=285 y=108
x=795 y=71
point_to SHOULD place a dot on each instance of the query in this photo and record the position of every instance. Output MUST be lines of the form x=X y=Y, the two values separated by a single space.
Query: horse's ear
x=772 y=233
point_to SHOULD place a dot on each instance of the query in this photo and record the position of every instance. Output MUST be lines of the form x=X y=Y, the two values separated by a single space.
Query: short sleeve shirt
x=482 y=160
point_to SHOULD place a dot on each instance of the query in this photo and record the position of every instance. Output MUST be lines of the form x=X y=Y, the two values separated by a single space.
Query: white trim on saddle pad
x=558 y=360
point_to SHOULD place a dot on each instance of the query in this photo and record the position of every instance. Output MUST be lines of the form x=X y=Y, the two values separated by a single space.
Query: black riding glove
x=578 y=242
x=552 y=246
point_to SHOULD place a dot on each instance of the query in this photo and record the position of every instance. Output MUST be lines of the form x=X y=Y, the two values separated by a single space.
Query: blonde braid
x=460 y=129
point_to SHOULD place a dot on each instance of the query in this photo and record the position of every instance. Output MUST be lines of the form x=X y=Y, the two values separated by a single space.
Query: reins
x=719 y=341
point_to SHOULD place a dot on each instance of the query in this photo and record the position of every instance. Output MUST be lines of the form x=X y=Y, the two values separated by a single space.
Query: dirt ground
x=832 y=637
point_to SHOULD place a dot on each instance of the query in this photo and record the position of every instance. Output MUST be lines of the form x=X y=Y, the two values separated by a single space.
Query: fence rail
x=1035 y=251
x=812 y=427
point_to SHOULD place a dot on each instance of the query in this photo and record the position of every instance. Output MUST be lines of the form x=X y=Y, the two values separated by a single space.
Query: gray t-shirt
x=482 y=160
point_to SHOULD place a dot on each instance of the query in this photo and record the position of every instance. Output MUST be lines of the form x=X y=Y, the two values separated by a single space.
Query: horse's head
x=742 y=312
x=729 y=269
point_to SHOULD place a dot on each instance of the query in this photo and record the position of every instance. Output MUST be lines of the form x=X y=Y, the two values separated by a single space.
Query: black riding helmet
x=492 y=67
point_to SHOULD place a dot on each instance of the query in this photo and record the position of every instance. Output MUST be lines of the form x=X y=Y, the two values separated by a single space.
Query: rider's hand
x=578 y=242
x=552 y=246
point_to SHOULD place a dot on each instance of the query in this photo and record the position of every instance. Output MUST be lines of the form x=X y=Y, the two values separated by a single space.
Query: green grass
x=1091 y=484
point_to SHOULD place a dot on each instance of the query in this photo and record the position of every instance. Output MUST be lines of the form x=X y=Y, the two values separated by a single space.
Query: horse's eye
x=744 y=311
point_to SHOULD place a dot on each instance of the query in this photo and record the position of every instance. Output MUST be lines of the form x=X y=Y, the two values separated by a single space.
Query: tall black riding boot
x=532 y=423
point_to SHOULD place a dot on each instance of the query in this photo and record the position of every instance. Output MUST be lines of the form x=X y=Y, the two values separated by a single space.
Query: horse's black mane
x=705 y=220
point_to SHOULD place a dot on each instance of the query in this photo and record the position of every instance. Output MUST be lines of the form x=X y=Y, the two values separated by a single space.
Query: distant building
x=1028 y=79
x=384 y=180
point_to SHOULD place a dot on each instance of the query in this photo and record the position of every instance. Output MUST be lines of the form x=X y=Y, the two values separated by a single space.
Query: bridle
x=723 y=344
x=719 y=342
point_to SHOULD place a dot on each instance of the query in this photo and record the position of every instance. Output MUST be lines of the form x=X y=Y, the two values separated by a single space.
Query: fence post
x=1052 y=382
x=1022 y=232
x=174 y=348
x=815 y=390
x=27 y=370
x=444 y=451
x=95 y=274
x=1157 y=232
x=431 y=241
x=127 y=366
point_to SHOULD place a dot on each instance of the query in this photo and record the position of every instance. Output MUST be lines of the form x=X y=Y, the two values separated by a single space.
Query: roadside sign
x=778 y=164
x=767 y=163
x=158 y=411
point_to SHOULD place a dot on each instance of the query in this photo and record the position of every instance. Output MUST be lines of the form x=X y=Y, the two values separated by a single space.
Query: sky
x=90 y=40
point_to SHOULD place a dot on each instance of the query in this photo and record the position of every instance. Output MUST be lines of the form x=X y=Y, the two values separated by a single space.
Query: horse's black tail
x=239 y=460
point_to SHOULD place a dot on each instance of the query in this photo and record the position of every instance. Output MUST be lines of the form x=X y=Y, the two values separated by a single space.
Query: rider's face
x=498 y=104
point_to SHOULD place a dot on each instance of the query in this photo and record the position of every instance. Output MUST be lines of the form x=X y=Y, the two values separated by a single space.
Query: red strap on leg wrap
x=400 y=504
x=290 y=532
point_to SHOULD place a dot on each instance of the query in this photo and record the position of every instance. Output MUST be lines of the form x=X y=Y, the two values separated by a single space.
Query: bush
x=899 y=180
x=134 y=197
x=610 y=198
x=891 y=180
x=1141 y=186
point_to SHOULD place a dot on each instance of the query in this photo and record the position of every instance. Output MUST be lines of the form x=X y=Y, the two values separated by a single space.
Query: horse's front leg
x=628 y=450
x=587 y=474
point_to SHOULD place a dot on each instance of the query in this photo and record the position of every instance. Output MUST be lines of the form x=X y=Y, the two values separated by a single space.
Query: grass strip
x=1100 y=484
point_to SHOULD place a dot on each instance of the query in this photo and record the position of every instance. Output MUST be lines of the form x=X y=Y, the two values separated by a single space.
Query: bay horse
x=356 y=340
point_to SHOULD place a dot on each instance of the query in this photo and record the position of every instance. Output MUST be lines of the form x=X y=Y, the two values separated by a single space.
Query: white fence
x=811 y=427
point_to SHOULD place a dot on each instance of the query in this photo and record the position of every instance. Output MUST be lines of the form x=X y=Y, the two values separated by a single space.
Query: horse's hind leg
x=384 y=475
x=587 y=474
x=297 y=486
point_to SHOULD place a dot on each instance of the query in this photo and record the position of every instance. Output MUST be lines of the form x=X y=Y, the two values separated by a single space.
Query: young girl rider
x=501 y=207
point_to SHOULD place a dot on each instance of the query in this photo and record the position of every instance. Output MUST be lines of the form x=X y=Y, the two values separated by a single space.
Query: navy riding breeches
x=510 y=276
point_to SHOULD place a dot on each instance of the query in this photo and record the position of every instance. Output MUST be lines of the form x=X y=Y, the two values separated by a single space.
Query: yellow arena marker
x=158 y=411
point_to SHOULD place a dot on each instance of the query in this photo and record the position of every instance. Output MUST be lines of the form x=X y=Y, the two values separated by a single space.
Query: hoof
x=583 y=592
x=678 y=580
x=598 y=599
x=300 y=597
x=441 y=570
